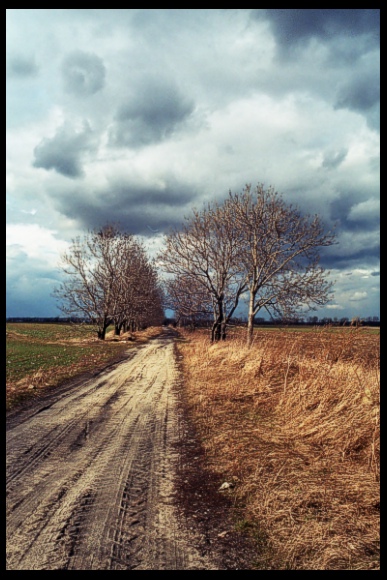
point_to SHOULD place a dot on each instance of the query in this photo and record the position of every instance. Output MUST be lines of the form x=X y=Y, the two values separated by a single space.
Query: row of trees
x=252 y=245
x=110 y=280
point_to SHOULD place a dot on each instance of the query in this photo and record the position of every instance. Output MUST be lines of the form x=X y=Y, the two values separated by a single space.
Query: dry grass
x=295 y=421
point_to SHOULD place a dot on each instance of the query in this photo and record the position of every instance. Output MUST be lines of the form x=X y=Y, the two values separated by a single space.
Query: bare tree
x=109 y=280
x=189 y=299
x=131 y=286
x=153 y=312
x=205 y=255
x=280 y=254
x=88 y=289
x=145 y=304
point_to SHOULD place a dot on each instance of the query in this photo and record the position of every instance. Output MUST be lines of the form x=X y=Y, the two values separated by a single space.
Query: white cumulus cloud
x=357 y=296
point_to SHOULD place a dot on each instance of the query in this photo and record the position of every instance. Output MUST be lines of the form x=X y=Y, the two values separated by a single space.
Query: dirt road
x=90 y=474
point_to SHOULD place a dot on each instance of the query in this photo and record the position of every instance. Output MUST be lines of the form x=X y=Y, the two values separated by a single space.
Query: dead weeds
x=295 y=421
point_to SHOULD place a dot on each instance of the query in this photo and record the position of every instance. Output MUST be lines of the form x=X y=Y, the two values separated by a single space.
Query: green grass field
x=51 y=332
x=24 y=358
x=44 y=355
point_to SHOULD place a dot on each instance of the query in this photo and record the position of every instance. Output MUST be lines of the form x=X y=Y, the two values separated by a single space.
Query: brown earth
x=106 y=473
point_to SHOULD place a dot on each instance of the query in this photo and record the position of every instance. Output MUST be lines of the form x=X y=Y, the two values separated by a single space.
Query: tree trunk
x=223 y=330
x=250 y=321
x=102 y=330
x=216 y=331
x=218 y=320
x=102 y=333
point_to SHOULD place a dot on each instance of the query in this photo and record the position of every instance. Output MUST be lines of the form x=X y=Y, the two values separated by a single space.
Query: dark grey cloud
x=83 y=73
x=135 y=207
x=30 y=294
x=292 y=26
x=346 y=44
x=172 y=194
x=355 y=214
x=375 y=273
x=333 y=159
x=65 y=150
x=336 y=258
x=340 y=208
x=21 y=66
x=362 y=94
x=152 y=113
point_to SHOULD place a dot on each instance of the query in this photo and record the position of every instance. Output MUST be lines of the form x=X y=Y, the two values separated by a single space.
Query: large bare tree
x=254 y=243
x=205 y=256
x=280 y=253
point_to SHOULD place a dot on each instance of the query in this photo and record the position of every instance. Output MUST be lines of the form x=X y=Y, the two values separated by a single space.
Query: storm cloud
x=362 y=93
x=65 y=150
x=22 y=66
x=355 y=214
x=353 y=251
x=83 y=73
x=136 y=116
x=368 y=211
x=333 y=159
x=292 y=26
x=24 y=292
x=149 y=115
x=137 y=208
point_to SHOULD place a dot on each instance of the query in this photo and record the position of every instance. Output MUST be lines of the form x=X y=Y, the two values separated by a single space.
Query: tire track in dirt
x=90 y=477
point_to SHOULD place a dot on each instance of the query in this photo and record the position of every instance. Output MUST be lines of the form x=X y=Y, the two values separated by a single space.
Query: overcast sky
x=136 y=116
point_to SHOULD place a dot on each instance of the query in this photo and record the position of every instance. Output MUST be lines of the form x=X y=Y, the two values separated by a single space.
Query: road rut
x=90 y=474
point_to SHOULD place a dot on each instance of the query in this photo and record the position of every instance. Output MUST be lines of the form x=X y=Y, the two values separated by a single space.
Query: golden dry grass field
x=293 y=423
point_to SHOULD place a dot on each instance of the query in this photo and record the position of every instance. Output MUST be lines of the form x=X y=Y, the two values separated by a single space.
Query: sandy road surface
x=90 y=474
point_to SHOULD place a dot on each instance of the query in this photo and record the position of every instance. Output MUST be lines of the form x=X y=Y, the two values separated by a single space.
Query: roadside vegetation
x=40 y=356
x=293 y=424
